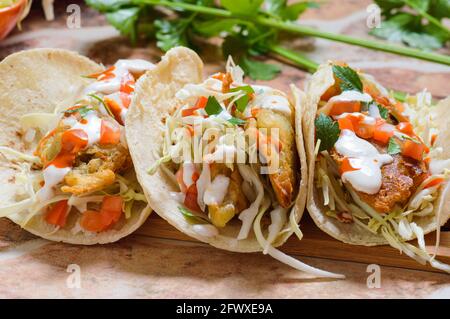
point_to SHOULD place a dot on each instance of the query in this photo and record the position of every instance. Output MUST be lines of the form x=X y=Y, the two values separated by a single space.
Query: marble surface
x=147 y=267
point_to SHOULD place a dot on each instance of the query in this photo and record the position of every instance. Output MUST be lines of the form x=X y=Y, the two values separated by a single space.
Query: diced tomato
x=127 y=83
x=109 y=133
x=180 y=181
x=72 y=141
x=57 y=214
x=200 y=104
x=92 y=220
x=405 y=127
x=188 y=112
x=371 y=89
x=125 y=98
x=109 y=214
x=105 y=75
x=340 y=107
x=345 y=124
x=427 y=160
x=382 y=100
x=190 y=200
x=365 y=130
x=115 y=108
x=413 y=149
x=434 y=182
x=346 y=166
x=383 y=132
x=399 y=107
x=331 y=91
x=111 y=209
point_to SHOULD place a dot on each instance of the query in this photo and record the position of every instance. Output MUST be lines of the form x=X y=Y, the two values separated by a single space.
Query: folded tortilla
x=39 y=81
x=353 y=233
x=155 y=100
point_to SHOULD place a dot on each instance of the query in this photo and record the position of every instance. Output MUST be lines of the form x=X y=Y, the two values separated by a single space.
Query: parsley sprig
x=414 y=23
x=249 y=28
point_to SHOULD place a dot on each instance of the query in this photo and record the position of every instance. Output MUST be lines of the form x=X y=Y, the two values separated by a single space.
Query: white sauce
x=365 y=158
x=122 y=68
x=216 y=191
x=223 y=154
x=52 y=177
x=365 y=119
x=349 y=96
x=135 y=65
x=92 y=127
x=205 y=230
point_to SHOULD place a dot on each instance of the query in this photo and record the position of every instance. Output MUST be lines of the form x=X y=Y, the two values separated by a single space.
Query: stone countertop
x=147 y=267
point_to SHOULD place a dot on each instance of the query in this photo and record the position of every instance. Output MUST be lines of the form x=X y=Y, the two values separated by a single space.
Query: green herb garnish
x=327 y=131
x=213 y=106
x=393 y=147
x=350 y=80
x=384 y=112
x=83 y=110
x=191 y=217
x=242 y=102
x=236 y=121
x=415 y=23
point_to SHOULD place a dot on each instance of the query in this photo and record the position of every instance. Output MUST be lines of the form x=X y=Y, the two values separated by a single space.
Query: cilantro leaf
x=290 y=12
x=393 y=147
x=211 y=28
x=236 y=121
x=83 y=110
x=403 y=23
x=243 y=7
x=259 y=70
x=384 y=112
x=213 y=107
x=125 y=21
x=350 y=80
x=327 y=131
x=171 y=33
x=242 y=102
x=191 y=217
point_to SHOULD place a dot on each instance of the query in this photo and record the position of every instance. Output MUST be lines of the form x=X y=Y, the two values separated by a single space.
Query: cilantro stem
x=370 y=44
x=308 y=31
x=427 y=16
x=295 y=57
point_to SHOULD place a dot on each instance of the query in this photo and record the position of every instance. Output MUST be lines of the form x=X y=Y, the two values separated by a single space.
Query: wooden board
x=316 y=243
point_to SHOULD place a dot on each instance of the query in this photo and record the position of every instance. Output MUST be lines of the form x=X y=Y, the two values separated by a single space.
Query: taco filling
x=229 y=149
x=218 y=142
x=80 y=176
x=375 y=161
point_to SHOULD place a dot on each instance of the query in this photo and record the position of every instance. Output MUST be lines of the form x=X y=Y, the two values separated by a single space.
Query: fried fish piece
x=95 y=168
x=234 y=201
x=400 y=180
x=284 y=181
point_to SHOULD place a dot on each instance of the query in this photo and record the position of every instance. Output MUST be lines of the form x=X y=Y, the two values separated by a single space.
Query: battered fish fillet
x=96 y=168
x=400 y=180
x=234 y=201
x=285 y=180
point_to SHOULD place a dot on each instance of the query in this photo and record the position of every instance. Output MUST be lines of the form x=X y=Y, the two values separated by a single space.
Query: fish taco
x=205 y=154
x=65 y=167
x=378 y=168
